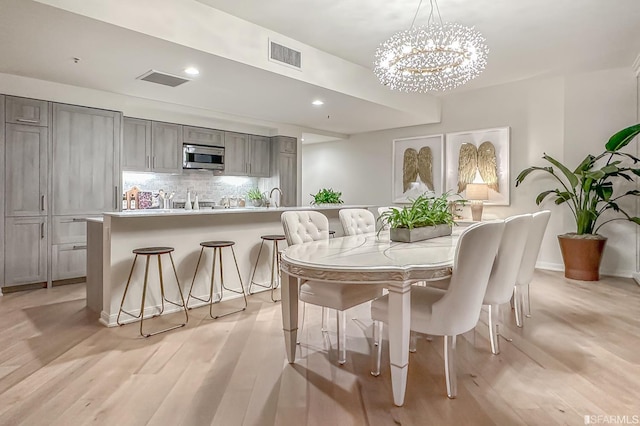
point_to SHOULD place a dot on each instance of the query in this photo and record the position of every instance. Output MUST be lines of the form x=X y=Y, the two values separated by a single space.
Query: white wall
x=564 y=117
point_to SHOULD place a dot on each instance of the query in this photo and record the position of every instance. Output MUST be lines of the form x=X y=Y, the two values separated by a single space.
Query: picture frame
x=498 y=140
x=417 y=145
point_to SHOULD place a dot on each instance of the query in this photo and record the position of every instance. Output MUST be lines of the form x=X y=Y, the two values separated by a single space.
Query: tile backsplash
x=209 y=188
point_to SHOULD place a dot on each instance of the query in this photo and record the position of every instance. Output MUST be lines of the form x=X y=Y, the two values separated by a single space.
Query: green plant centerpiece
x=426 y=217
x=326 y=196
x=589 y=192
x=255 y=196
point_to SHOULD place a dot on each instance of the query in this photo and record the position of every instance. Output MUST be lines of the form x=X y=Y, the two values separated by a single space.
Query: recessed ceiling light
x=317 y=102
x=192 y=71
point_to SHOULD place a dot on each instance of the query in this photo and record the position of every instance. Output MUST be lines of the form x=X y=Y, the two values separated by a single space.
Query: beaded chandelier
x=436 y=57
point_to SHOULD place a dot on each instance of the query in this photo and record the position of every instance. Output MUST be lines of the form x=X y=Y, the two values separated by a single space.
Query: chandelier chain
x=416 y=14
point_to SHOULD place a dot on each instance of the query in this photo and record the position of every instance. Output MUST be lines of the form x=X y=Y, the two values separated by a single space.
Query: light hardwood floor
x=578 y=355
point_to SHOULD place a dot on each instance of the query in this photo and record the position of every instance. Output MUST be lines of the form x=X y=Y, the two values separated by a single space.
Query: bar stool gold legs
x=217 y=254
x=275 y=265
x=148 y=252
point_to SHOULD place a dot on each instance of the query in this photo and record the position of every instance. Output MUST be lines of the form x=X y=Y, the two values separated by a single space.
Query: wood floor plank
x=579 y=354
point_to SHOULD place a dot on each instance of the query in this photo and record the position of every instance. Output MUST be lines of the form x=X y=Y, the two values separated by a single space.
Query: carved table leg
x=399 y=329
x=290 y=314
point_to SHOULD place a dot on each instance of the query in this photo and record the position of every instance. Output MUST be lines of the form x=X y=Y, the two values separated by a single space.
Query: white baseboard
x=550 y=266
x=636 y=277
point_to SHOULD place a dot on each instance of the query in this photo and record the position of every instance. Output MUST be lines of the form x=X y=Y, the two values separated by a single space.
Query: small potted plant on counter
x=426 y=217
x=255 y=196
x=326 y=196
x=589 y=192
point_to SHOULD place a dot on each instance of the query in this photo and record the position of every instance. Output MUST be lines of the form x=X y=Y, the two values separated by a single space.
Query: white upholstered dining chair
x=521 y=299
x=504 y=272
x=305 y=226
x=455 y=310
x=357 y=221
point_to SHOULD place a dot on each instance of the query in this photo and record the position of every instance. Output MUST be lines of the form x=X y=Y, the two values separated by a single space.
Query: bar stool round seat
x=276 y=237
x=275 y=265
x=217 y=246
x=148 y=252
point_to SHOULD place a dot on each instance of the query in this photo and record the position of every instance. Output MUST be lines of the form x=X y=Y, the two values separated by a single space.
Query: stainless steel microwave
x=202 y=157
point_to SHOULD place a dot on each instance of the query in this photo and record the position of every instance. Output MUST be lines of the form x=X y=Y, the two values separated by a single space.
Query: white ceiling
x=527 y=38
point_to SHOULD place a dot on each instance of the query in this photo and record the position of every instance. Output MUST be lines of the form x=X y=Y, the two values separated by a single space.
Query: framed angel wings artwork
x=479 y=156
x=418 y=167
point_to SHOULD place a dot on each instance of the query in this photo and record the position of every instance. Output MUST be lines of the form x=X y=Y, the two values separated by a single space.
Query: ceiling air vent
x=163 y=78
x=284 y=55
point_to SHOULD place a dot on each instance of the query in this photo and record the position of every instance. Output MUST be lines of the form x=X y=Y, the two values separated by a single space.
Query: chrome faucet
x=275 y=203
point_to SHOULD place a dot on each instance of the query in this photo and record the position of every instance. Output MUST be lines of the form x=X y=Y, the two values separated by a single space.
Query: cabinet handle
x=148 y=161
x=115 y=196
x=42 y=199
x=42 y=231
x=154 y=162
x=24 y=120
x=83 y=247
x=77 y=219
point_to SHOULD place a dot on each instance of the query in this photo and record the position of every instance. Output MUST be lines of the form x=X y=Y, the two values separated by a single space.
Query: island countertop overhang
x=237 y=210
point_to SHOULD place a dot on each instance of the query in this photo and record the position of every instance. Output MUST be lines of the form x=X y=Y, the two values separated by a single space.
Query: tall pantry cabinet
x=25 y=173
x=85 y=180
x=60 y=167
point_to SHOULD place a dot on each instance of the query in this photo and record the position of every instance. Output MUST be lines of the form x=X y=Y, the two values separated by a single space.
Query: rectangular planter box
x=407 y=235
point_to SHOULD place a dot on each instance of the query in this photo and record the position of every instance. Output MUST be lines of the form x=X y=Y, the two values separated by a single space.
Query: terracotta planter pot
x=582 y=255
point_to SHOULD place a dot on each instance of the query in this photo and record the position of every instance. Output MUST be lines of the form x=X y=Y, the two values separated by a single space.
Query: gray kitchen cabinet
x=235 y=154
x=68 y=261
x=246 y=155
x=26 y=111
x=288 y=176
x=25 y=244
x=259 y=155
x=25 y=170
x=287 y=145
x=166 y=147
x=69 y=246
x=202 y=136
x=85 y=162
x=284 y=168
x=2 y=189
x=136 y=145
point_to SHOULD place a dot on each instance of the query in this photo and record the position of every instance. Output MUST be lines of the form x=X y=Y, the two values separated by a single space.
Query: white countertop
x=235 y=210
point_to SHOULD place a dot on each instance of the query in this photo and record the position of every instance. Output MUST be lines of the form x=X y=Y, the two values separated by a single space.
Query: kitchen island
x=110 y=242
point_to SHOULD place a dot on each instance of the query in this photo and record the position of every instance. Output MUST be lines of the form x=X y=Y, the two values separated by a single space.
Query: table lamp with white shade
x=477 y=193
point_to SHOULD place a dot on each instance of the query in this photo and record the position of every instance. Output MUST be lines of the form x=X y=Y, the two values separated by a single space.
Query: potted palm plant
x=589 y=192
x=426 y=217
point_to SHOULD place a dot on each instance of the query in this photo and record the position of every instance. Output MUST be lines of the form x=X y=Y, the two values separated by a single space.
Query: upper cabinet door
x=26 y=111
x=136 y=145
x=235 y=154
x=85 y=160
x=166 y=147
x=26 y=170
x=201 y=136
x=259 y=156
x=287 y=144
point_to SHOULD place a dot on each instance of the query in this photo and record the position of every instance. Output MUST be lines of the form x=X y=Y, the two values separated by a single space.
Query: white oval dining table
x=362 y=260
